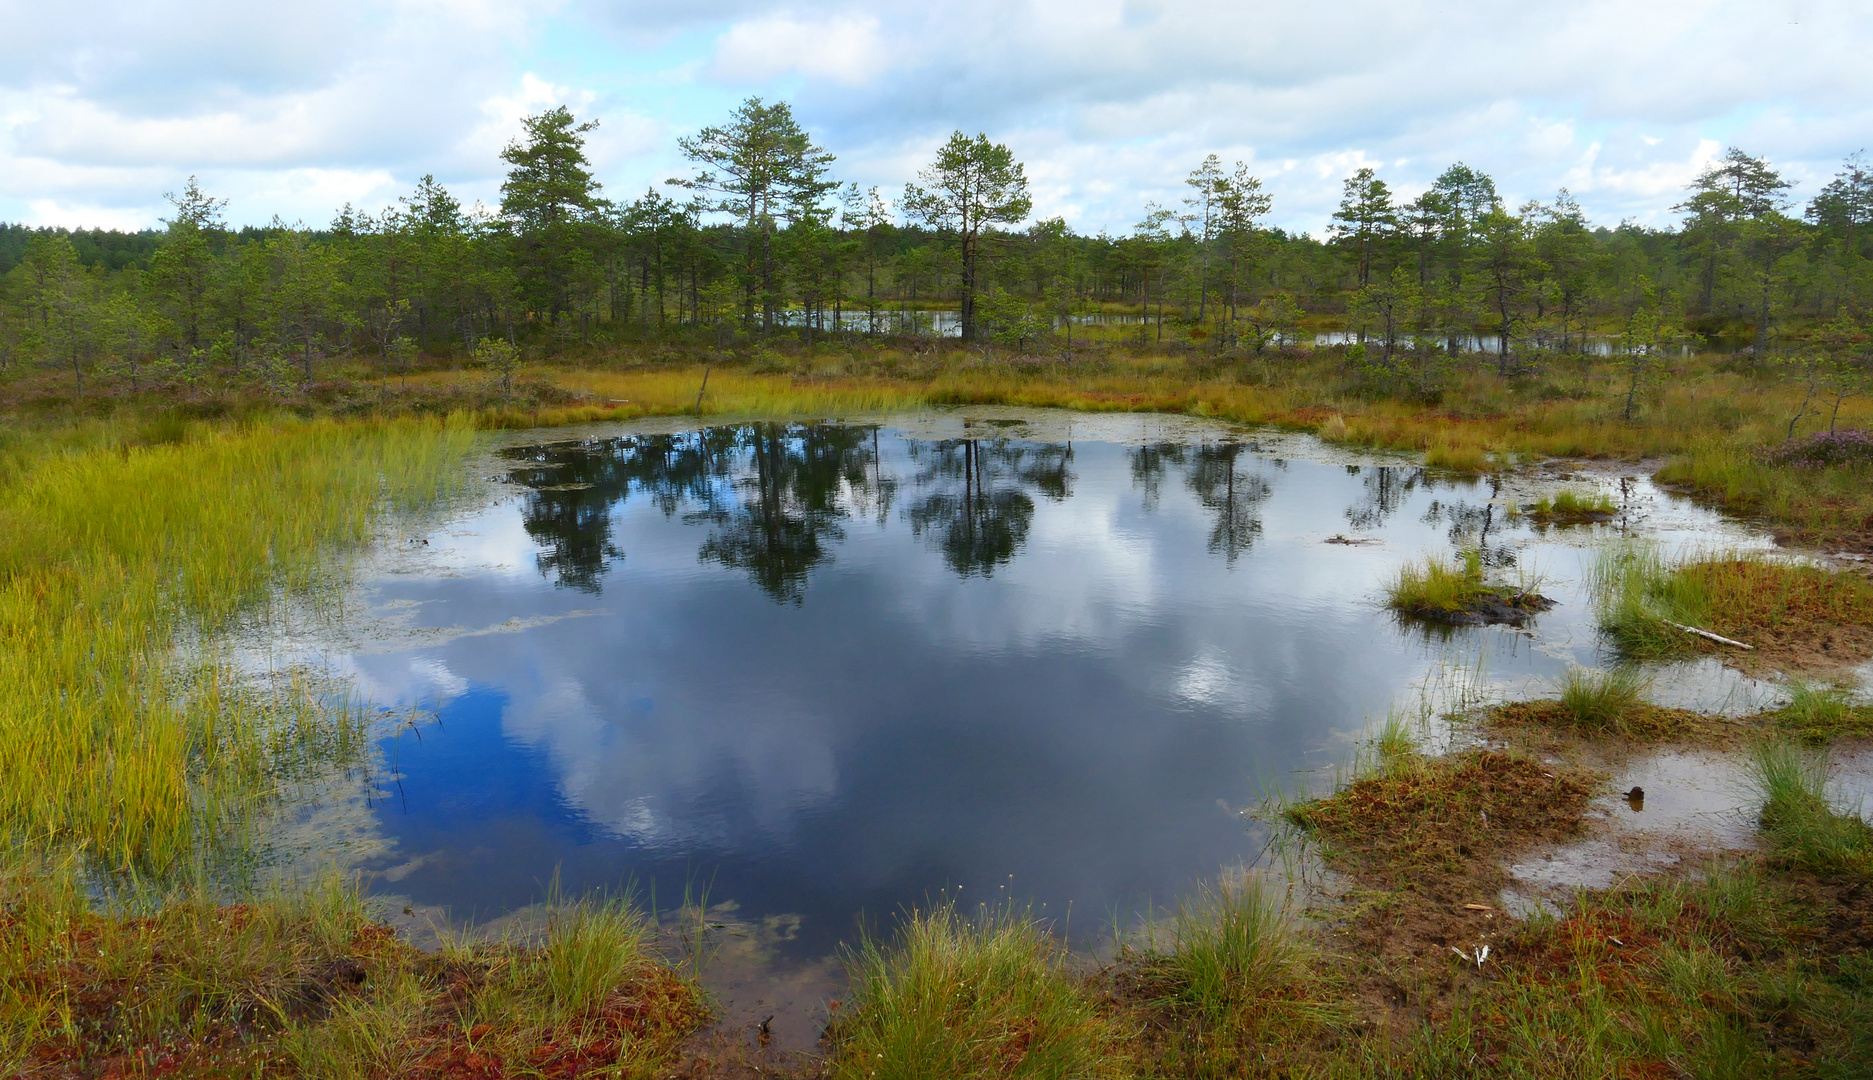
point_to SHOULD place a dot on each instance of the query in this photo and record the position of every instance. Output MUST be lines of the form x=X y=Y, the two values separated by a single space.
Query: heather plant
x=1823 y=450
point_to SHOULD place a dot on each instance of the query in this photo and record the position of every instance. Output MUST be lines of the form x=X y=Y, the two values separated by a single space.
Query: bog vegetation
x=203 y=421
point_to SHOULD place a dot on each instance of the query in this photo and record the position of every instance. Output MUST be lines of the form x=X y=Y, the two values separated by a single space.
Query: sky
x=295 y=109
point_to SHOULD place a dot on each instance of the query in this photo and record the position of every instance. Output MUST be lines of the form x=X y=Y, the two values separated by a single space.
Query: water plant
x=1571 y=506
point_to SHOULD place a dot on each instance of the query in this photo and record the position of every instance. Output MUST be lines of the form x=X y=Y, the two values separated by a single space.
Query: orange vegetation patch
x=1642 y=721
x=1799 y=615
x=1447 y=816
x=198 y=990
x=639 y=1020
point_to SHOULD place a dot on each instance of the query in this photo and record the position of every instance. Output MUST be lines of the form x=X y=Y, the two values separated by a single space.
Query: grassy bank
x=1707 y=418
x=133 y=541
x=306 y=984
x=122 y=734
x=1772 y=611
x=1751 y=966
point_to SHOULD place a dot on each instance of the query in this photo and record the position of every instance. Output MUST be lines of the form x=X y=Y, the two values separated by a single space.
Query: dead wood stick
x=1718 y=638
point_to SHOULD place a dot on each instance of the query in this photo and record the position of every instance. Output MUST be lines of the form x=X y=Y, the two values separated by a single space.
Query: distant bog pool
x=824 y=671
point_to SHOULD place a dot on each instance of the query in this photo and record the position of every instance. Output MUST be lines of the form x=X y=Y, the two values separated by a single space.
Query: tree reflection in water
x=1235 y=498
x=777 y=519
x=776 y=498
x=574 y=488
x=1387 y=488
x=981 y=526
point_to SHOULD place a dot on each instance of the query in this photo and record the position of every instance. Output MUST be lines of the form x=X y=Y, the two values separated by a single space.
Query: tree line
x=761 y=239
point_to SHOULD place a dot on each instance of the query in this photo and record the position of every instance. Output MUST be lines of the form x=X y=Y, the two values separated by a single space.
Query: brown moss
x=1437 y=817
x=1794 y=616
x=1643 y=721
x=203 y=991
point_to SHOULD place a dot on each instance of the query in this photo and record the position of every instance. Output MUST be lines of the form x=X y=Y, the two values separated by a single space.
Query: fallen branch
x=1718 y=638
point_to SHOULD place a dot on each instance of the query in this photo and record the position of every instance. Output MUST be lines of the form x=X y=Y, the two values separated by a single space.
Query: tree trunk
x=968 y=328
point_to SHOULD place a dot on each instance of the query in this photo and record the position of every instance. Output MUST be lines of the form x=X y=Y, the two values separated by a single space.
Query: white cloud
x=845 y=50
x=105 y=103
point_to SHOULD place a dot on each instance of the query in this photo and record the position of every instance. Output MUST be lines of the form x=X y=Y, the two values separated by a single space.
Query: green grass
x=1447 y=590
x=122 y=734
x=1603 y=701
x=1825 y=504
x=1783 y=609
x=1458 y=457
x=952 y=997
x=1436 y=584
x=1798 y=820
x=1570 y=505
x=1238 y=965
x=1820 y=711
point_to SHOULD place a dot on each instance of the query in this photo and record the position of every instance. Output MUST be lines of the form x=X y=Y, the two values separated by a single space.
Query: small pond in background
x=829 y=670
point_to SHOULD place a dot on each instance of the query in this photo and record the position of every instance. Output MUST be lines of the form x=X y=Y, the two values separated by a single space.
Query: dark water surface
x=828 y=671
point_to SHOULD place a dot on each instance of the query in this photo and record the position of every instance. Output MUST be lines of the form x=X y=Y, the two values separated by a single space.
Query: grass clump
x=1238 y=983
x=958 y=997
x=1791 y=614
x=1798 y=820
x=1457 y=457
x=1457 y=592
x=1597 y=704
x=1570 y=506
x=307 y=984
x=1820 y=711
x=1603 y=700
x=1237 y=977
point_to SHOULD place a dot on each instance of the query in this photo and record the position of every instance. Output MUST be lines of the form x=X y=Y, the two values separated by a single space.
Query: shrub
x=1822 y=450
